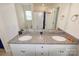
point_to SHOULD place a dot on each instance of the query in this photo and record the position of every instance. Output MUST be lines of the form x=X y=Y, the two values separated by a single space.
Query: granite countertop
x=46 y=38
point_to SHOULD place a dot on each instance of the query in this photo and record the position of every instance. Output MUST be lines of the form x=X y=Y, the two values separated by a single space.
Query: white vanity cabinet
x=43 y=50
x=22 y=49
x=62 y=50
x=57 y=50
x=72 y=50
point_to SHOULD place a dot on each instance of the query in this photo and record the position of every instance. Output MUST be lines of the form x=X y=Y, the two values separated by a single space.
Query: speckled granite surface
x=46 y=38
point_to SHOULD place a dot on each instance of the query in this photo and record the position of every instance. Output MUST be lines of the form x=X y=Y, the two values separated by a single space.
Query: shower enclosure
x=46 y=20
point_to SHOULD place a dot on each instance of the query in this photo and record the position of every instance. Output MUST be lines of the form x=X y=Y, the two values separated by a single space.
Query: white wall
x=27 y=7
x=66 y=23
x=20 y=16
x=63 y=16
x=3 y=34
x=73 y=26
x=8 y=23
x=50 y=19
x=10 y=19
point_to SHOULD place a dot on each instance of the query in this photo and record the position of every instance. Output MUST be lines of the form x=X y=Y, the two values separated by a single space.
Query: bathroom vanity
x=43 y=50
x=44 y=45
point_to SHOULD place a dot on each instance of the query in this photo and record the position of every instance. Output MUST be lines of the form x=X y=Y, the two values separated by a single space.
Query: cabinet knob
x=42 y=47
x=41 y=53
x=61 y=51
x=23 y=51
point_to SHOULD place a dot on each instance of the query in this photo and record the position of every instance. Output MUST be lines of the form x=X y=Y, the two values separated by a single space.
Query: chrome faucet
x=41 y=33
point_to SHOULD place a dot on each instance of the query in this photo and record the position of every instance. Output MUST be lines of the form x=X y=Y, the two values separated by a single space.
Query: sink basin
x=25 y=38
x=59 y=38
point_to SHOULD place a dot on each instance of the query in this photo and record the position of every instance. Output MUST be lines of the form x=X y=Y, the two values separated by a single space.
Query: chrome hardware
x=41 y=53
x=22 y=51
x=61 y=51
x=42 y=47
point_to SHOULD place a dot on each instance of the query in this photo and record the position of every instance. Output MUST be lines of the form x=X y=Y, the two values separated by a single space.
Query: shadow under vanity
x=42 y=44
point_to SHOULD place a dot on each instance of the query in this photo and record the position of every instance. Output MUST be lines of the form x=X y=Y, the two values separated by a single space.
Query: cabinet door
x=41 y=50
x=57 y=50
x=73 y=21
x=62 y=50
x=78 y=49
x=71 y=50
x=22 y=49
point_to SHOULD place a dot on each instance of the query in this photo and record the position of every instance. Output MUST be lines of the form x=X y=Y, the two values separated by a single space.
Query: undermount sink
x=25 y=38
x=59 y=38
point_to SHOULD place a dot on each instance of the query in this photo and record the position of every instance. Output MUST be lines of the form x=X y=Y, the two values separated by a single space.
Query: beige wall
x=45 y=7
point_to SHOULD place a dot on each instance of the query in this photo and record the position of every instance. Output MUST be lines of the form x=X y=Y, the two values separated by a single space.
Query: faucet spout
x=41 y=33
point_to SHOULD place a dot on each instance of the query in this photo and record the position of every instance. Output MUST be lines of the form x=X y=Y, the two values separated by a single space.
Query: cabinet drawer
x=71 y=52
x=57 y=52
x=41 y=53
x=43 y=50
x=22 y=50
x=62 y=50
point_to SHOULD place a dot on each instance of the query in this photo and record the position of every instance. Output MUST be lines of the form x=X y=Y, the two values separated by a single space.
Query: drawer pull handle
x=22 y=51
x=61 y=51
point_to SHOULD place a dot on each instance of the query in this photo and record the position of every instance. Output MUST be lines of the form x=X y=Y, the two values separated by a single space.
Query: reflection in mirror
x=36 y=16
x=28 y=15
x=28 y=19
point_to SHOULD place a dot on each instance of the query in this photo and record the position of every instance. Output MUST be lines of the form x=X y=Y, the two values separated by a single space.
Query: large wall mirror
x=37 y=16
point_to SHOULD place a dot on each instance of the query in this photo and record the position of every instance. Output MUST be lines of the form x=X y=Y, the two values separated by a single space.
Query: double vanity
x=55 y=43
